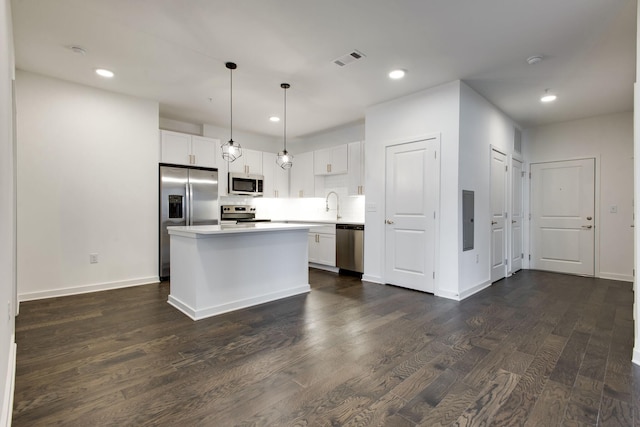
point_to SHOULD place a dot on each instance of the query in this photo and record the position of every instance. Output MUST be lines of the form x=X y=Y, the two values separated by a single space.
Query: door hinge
x=506 y=261
x=522 y=174
x=434 y=274
x=435 y=154
x=434 y=214
x=506 y=215
x=529 y=257
x=529 y=217
x=506 y=168
x=522 y=256
x=529 y=175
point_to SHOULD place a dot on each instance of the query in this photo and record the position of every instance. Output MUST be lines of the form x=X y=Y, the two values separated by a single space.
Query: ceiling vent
x=349 y=58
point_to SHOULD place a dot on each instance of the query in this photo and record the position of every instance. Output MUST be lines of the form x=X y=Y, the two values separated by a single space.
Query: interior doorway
x=562 y=216
x=411 y=203
x=517 y=216
x=498 y=215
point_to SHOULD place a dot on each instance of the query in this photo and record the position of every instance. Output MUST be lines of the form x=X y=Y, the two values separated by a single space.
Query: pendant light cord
x=285 y=119
x=231 y=104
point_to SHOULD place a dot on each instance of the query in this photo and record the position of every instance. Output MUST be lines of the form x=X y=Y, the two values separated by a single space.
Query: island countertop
x=201 y=231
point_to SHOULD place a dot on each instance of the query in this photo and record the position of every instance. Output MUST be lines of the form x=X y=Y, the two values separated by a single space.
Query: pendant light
x=284 y=159
x=231 y=150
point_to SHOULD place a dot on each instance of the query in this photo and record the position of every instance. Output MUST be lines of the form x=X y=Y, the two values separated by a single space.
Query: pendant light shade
x=284 y=159
x=231 y=150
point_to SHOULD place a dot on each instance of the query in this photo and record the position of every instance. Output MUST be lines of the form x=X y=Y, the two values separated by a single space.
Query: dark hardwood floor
x=536 y=349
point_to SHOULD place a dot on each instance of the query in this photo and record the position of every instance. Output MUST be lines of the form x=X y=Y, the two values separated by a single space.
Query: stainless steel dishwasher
x=350 y=247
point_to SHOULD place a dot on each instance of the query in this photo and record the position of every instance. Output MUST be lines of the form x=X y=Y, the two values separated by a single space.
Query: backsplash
x=312 y=208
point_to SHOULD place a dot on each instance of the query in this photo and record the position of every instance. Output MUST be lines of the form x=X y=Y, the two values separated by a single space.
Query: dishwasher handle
x=349 y=227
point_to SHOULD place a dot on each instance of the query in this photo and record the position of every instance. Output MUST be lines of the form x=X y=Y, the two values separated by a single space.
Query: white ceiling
x=174 y=51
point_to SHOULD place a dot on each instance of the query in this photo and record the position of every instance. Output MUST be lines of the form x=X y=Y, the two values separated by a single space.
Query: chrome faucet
x=337 y=203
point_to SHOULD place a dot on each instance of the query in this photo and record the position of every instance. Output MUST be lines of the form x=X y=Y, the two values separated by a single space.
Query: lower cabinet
x=322 y=245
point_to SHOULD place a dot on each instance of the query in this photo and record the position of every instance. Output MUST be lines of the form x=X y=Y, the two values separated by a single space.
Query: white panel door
x=412 y=172
x=498 y=215
x=562 y=216
x=517 y=183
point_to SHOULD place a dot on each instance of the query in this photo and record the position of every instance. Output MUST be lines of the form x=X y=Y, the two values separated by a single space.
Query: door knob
x=494 y=222
x=388 y=221
x=588 y=218
x=513 y=221
x=587 y=226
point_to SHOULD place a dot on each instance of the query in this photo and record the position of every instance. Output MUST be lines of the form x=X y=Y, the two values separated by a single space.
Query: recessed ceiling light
x=104 y=72
x=274 y=119
x=397 y=74
x=548 y=97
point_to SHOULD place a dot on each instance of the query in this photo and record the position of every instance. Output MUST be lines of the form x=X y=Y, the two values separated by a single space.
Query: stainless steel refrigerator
x=188 y=196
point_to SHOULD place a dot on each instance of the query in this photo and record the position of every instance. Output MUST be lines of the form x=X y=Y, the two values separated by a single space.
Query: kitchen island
x=220 y=268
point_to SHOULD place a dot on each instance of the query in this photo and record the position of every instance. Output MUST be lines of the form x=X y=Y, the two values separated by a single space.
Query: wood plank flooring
x=536 y=349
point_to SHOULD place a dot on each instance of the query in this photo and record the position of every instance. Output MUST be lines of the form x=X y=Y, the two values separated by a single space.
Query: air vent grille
x=517 y=141
x=349 y=58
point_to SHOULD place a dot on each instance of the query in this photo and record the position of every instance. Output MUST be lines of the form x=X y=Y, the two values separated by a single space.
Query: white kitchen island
x=219 y=268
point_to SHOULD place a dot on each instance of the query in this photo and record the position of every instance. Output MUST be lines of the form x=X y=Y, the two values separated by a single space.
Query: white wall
x=482 y=126
x=248 y=140
x=636 y=192
x=426 y=113
x=87 y=183
x=328 y=138
x=7 y=217
x=609 y=139
x=179 y=126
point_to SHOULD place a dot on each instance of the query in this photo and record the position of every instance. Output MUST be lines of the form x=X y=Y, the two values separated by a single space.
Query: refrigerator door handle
x=190 y=204
x=187 y=205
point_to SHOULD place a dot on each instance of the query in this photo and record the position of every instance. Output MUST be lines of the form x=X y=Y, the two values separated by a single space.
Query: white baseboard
x=475 y=289
x=464 y=294
x=324 y=267
x=447 y=295
x=9 y=386
x=202 y=313
x=636 y=356
x=615 y=276
x=30 y=296
x=374 y=279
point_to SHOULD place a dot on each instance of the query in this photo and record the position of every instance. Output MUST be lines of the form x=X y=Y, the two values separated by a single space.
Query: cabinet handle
x=300 y=193
x=328 y=170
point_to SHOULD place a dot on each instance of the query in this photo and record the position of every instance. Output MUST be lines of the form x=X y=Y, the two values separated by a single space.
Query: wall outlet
x=93 y=258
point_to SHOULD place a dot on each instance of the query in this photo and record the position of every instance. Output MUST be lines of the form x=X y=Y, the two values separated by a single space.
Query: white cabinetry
x=184 y=149
x=302 y=177
x=356 y=169
x=249 y=162
x=276 y=179
x=331 y=161
x=322 y=245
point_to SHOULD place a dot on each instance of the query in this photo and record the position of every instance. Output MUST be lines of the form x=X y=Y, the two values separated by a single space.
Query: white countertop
x=196 y=231
x=321 y=221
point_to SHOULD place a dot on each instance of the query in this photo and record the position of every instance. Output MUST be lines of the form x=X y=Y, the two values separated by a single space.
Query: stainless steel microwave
x=244 y=184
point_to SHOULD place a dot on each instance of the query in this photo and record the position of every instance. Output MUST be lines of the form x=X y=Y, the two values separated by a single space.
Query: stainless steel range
x=236 y=214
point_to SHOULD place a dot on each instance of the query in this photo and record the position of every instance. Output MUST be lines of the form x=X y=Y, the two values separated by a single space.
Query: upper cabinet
x=249 y=162
x=331 y=161
x=184 y=149
x=276 y=179
x=302 y=177
x=356 y=169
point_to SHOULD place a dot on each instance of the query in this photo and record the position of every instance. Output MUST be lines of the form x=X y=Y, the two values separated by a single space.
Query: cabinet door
x=321 y=161
x=175 y=147
x=302 y=177
x=313 y=247
x=253 y=161
x=339 y=159
x=356 y=169
x=238 y=165
x=281 y=180
x=205 y=151
x=327 y=249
